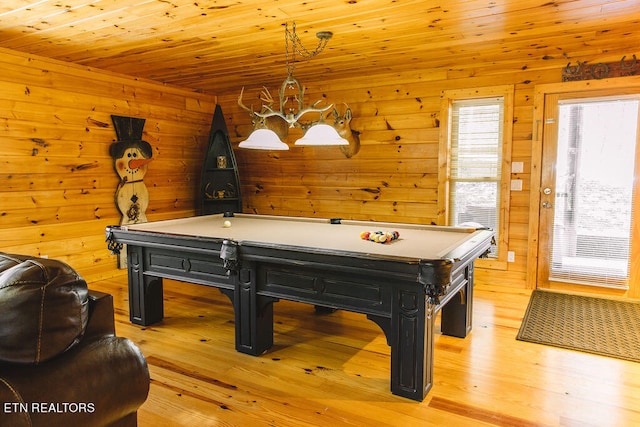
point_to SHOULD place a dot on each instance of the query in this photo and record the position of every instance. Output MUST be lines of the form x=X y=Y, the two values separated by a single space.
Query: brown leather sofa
x=60 y=361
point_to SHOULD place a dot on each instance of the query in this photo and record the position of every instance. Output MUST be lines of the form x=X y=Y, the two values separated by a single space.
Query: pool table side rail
x=126 y=235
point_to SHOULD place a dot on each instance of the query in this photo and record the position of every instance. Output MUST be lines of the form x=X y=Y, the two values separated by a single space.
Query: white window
x=476 y=163
x=476 y=153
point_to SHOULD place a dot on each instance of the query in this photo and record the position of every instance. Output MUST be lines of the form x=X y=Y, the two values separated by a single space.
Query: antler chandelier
x=271 y=126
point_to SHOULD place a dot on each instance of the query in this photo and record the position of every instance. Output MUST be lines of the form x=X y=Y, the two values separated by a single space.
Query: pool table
x=257 y=260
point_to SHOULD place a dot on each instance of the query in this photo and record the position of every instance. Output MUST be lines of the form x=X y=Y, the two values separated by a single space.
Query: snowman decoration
x=131 y=156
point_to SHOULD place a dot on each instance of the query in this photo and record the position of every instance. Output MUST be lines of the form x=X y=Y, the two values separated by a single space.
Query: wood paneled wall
x=394 y=176
x=57 y=180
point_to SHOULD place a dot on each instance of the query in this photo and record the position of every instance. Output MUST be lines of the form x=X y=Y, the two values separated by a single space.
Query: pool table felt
x=416 y=241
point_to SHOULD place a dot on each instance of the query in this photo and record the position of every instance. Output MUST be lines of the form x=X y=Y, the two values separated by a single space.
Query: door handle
x=546 y=205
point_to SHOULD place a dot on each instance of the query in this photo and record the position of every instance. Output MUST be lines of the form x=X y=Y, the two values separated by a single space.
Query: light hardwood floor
x=333 y=370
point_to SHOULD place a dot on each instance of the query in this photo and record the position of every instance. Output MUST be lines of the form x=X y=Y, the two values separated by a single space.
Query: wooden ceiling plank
x=216 y=45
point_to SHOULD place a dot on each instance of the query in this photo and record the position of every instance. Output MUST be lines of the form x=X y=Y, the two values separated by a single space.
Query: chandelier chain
x=297 y=47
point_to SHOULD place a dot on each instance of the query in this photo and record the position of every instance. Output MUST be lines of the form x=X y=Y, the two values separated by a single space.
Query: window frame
x=506 y=92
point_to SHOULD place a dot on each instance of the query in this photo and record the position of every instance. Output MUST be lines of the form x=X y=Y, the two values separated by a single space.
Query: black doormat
x=603 y=326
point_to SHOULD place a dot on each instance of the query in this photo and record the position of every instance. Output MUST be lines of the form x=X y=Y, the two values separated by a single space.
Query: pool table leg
x=412 y=343
x=457 y=314
x=253 y=314
x=145 y=292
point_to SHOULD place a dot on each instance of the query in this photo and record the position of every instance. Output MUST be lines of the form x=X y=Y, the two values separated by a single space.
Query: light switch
x=517 y=167
x=516 y=185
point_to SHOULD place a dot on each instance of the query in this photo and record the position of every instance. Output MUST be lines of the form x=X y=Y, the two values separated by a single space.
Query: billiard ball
x=226 y=224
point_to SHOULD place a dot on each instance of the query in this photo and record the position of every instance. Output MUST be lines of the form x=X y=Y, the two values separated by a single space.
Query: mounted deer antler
x=343 y=125
x=291 y=117
x=265 y=96
x=244 y=107
x=259 y=120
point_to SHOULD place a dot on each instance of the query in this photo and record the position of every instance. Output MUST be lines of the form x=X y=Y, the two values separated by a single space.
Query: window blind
x=475 y=162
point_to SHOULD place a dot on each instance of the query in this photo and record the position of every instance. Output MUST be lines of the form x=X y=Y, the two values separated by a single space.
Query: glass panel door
x=588 y=196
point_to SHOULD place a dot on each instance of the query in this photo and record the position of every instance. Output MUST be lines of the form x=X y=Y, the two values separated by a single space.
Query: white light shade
x=322 y=134
x=263 y=139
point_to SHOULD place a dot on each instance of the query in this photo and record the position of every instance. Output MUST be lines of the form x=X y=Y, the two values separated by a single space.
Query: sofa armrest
x=94 y=384
x=104 y=378
x=101 y=315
